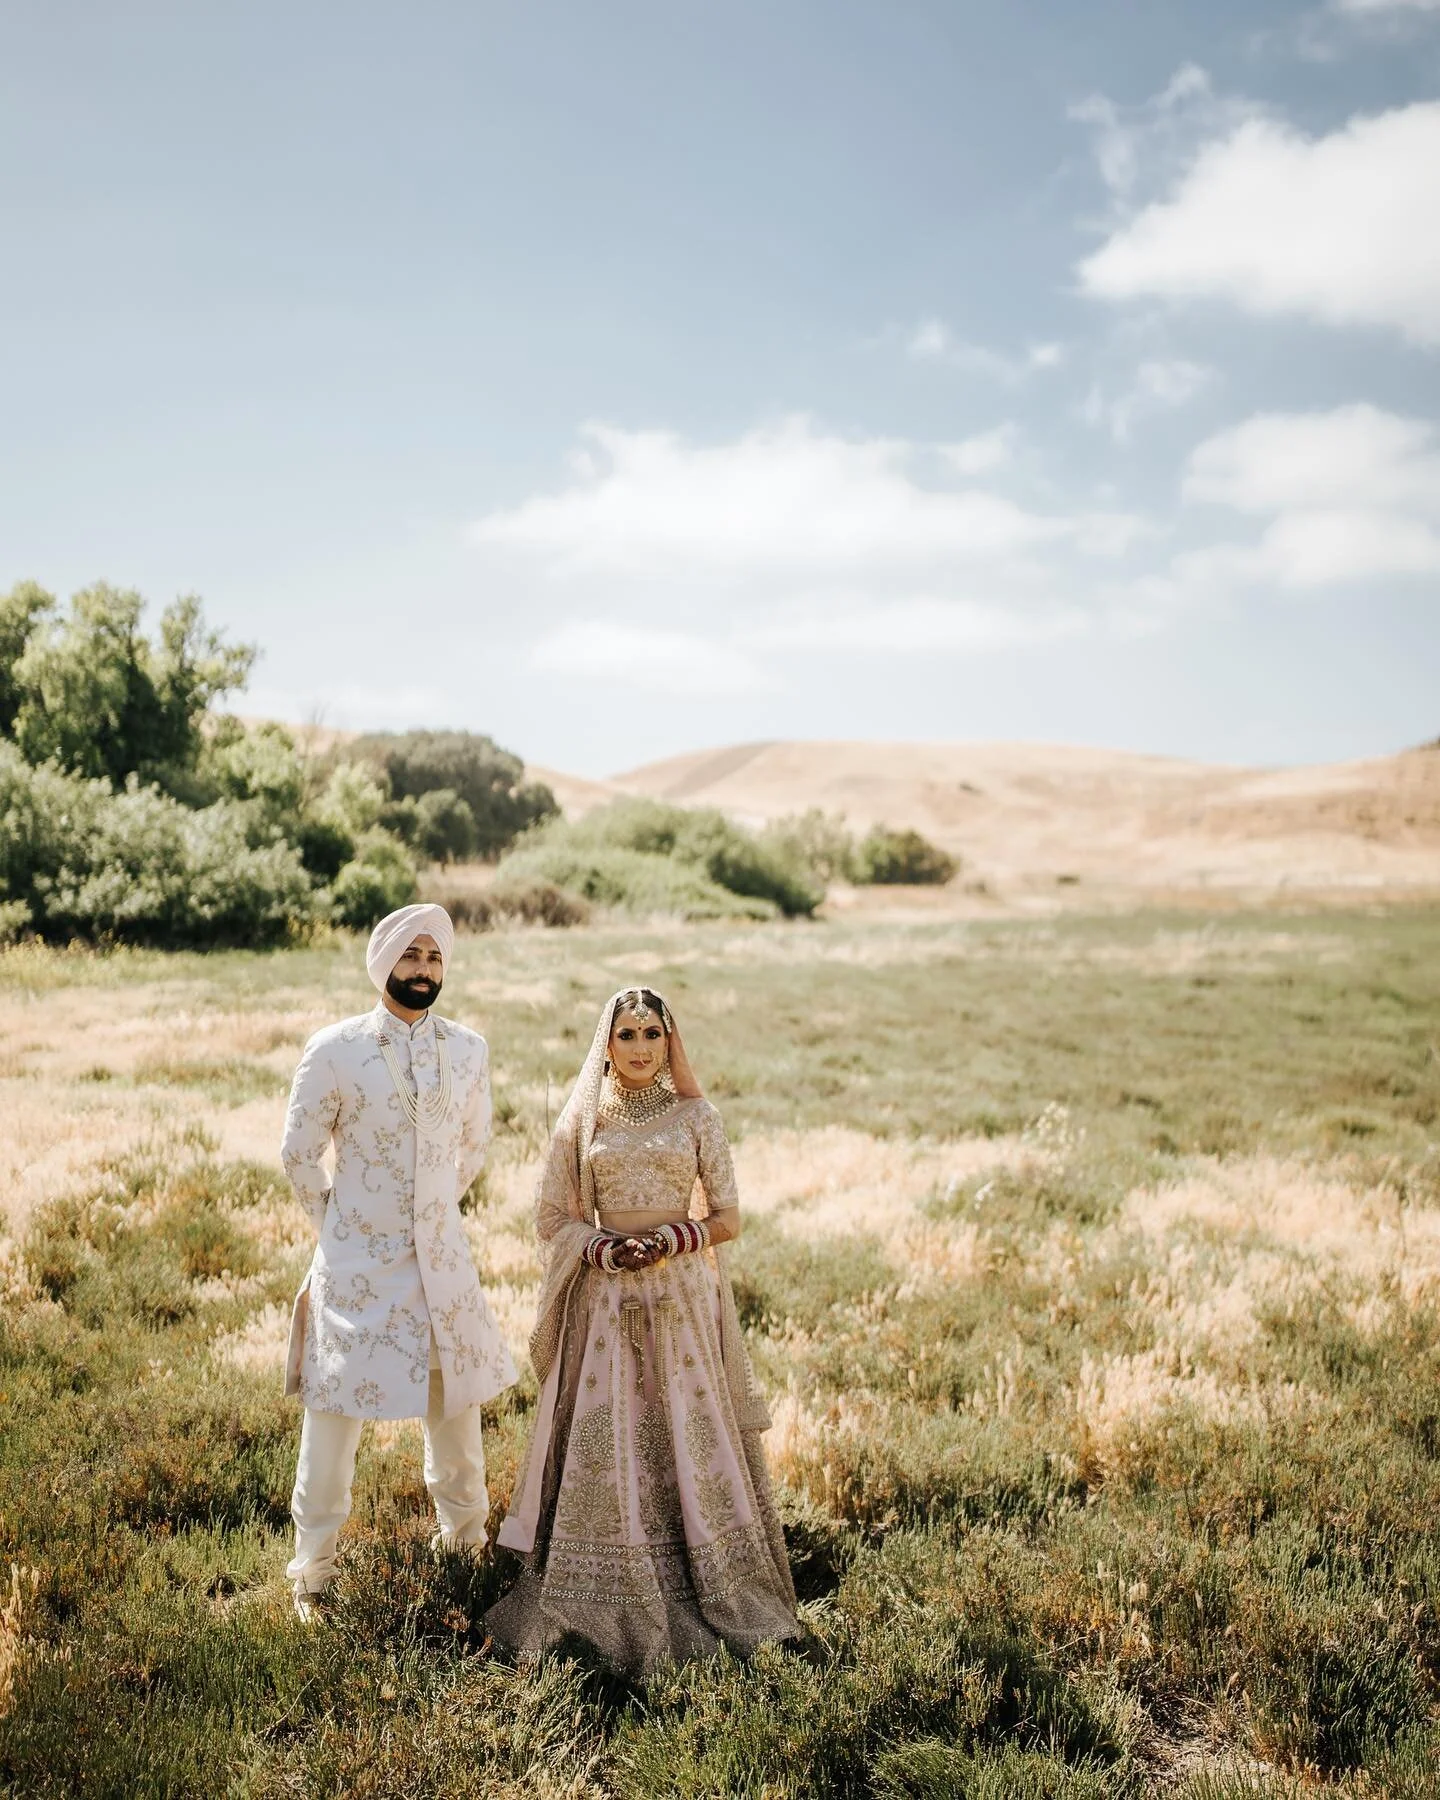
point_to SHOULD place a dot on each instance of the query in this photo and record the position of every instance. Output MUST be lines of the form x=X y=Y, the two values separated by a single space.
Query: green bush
x=259 y=763
x=325 y=847
x=138 y=867
x=818 y=845
x=649 y=857
x=352 y=799
x=539 y=902
x=43 y=815
x=634 y=880
x=380 y=878
x=490 y=781
x=445 y=826
x=735 y=860
x=130 y=812
x=902 y=858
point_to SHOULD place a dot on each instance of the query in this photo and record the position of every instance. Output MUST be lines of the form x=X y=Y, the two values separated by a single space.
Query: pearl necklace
x=427 y=1115
x=637 y=1106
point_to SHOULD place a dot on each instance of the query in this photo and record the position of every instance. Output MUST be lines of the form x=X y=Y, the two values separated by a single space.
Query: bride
x=642 y=1510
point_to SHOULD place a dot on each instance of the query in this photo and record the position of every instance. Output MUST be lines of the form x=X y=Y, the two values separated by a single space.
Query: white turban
x=397 y=931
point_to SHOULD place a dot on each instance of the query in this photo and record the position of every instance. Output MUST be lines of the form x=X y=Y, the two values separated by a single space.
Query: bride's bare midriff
x=637 y=1223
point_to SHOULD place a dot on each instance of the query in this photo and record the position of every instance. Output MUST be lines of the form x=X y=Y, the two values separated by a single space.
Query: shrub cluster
x=455 y=793
x=644 y=856
x=131 y=812
x=822 y=846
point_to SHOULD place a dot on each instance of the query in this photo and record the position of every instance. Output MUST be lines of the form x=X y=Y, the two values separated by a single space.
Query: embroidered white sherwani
x=391 y=1287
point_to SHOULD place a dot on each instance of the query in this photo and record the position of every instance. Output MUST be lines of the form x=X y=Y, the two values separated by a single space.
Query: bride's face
x=638 y=1050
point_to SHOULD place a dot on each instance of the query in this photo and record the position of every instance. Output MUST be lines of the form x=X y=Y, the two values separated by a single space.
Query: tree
x=93 y=694
x=194 y=668
x=488 y=779
x=21 y=610
x=446 y=831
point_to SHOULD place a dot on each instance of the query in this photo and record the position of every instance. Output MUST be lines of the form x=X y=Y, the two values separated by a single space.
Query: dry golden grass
x=1127 y=1398
x=15 y=1604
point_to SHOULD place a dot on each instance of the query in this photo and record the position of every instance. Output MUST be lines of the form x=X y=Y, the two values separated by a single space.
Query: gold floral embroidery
x=701 y=1438
x=589 y=1504
x=652 y=1437
x=594 y=1439
x=383 y=1274
x=659 y=1495
x=589 y=1508
x=653 y=1168
x=717 y=1500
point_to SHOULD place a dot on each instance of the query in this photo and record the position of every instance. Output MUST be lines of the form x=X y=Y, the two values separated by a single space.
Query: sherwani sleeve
x=475 y=1125
x=310 y=1122
x=717 y=1170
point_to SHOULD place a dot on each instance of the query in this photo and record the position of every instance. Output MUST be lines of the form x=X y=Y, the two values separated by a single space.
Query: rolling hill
x=1036 y=816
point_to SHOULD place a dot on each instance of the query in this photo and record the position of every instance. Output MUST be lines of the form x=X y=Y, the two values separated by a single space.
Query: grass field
x=1093 y=1266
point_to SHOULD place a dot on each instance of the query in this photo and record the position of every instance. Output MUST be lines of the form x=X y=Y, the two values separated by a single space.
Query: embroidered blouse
x=653 y=1167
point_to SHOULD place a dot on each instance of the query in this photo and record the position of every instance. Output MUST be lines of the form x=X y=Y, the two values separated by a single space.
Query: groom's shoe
x=310 y=1604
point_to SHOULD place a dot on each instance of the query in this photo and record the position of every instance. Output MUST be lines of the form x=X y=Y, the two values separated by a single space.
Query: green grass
x=1007 y=1590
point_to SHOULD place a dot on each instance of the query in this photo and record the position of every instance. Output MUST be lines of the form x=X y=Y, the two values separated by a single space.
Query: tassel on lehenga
x=632 y=1329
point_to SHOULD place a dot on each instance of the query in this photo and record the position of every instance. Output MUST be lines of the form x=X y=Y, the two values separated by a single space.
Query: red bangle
x=599 y=1252
x=688 y=1236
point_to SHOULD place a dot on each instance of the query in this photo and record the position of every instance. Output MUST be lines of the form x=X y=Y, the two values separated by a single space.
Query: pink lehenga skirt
x=642 y=1512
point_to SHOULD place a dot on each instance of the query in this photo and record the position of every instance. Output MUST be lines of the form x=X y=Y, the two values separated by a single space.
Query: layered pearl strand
x=429 y=1114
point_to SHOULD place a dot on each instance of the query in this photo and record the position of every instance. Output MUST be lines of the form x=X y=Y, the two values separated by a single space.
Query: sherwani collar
x=398 y=1031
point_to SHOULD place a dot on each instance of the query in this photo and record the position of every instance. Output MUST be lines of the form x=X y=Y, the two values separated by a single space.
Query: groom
x=390 y=1322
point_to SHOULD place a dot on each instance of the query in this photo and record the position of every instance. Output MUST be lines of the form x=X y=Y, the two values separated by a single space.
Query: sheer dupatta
x=565 y=1218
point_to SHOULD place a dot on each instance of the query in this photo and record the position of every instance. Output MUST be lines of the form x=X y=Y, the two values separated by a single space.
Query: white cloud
x=787 y=504
x=1158 y=385
x=700 y=565
x=920 y=624
x=680 y=662
x=1352 y=495
x=1369 y=9
x=983 y=453
x=1352 y=456
x=1307 y=550
x=1126 y=138
x=1337 y=228
x=933 y=341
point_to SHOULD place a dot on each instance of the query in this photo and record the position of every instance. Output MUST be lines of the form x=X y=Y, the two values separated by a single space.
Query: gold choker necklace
x=637 y=1106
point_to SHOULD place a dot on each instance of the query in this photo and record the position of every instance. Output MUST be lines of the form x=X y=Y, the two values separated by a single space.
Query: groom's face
x=415 y=980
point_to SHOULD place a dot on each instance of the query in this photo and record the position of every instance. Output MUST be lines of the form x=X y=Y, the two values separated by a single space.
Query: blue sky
x=622 y=380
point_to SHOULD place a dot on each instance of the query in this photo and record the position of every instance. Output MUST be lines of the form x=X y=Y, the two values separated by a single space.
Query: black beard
x=414 y=996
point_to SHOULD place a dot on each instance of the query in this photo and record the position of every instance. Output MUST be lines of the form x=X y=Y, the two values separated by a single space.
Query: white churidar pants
x=320 y=1503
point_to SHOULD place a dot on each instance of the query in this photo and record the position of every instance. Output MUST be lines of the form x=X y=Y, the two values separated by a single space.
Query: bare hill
x=1033 y=815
